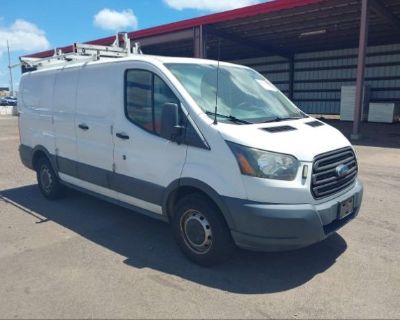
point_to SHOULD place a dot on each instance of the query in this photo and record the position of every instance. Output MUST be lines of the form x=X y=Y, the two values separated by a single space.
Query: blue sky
x=32 y=26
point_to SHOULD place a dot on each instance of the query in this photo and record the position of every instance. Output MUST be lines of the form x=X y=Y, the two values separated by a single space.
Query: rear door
x=145 y=163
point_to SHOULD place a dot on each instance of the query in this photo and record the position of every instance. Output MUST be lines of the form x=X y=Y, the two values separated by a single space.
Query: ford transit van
x=212 y=148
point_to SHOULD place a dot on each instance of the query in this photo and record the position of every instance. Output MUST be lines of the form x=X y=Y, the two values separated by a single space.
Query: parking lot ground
x=80 y=257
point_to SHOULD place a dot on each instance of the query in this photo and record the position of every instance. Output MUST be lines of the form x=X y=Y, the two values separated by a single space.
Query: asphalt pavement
x=80 y=257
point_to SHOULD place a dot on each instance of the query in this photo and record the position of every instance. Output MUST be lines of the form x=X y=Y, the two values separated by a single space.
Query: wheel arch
x=184 y=186
x=39 y=152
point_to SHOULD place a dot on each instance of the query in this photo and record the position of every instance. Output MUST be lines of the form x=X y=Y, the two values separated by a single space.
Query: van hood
x=294 y=137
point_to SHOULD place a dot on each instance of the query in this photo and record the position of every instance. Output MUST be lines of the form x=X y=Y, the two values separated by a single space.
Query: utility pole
x=10 y=69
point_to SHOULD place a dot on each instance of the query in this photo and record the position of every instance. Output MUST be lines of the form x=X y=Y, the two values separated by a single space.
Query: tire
x=48 y=182
x=201 y=231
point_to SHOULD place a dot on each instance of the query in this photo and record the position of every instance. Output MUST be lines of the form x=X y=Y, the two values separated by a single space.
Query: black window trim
x=153 y=114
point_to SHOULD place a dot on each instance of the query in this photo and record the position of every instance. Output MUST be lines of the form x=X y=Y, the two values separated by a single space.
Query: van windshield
x=243 y=94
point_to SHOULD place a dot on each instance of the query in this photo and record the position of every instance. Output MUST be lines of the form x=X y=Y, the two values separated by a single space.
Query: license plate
x=346 y=207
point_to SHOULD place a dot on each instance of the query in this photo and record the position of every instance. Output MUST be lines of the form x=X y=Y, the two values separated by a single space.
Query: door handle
x=83 y=126
x=122 y=135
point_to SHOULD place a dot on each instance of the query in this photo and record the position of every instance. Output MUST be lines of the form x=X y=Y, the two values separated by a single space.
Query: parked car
x=8 y=101
x=215 y=149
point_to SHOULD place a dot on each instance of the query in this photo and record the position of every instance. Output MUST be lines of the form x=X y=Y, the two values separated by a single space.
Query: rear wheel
x=201 y=231
x=48 y=181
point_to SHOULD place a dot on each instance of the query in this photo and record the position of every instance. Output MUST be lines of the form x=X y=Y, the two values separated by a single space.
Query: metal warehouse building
x=308 y=48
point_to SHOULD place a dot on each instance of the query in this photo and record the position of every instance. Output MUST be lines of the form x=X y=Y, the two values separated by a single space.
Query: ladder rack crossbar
x=83 y=52
x=101 y=51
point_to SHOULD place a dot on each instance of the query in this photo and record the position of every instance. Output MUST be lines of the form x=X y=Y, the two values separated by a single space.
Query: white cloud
x=209 y=5
x=23 y=35
x=108 y=19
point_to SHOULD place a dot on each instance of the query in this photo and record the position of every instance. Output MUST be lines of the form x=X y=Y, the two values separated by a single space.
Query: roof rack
x=83 y=52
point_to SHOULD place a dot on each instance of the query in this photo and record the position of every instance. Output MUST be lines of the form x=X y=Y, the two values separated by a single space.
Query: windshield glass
x=242 y=93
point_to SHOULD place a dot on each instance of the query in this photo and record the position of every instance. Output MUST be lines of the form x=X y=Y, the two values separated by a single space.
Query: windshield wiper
x=229 y=117
x=279 y=119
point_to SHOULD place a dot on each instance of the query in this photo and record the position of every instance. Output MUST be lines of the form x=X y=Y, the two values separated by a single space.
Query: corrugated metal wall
x=319 y=76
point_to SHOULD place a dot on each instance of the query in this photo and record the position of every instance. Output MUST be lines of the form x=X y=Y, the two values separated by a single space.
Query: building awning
x=280 y=27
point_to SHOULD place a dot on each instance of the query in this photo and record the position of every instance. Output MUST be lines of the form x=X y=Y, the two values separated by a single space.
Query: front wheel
x=48 y=181
x=201 y=231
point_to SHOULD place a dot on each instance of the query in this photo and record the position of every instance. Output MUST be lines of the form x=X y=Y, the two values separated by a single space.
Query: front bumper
x=273 y=227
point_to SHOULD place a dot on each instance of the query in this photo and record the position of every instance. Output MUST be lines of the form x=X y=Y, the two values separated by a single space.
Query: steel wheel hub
x=45 y=178
x=196 y=231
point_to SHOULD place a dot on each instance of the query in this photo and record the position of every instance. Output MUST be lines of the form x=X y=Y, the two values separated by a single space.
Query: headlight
x=265 y=164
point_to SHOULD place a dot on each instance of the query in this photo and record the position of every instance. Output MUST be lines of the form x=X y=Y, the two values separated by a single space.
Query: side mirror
x=170 y=128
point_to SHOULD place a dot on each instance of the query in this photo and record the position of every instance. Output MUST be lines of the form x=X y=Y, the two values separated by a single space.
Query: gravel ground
x=80 y=257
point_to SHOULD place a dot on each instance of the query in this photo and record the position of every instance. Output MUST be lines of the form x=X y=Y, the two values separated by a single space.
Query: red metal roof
x=244 y=12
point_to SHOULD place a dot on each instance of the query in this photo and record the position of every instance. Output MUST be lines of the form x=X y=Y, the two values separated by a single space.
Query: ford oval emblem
x=342 y=170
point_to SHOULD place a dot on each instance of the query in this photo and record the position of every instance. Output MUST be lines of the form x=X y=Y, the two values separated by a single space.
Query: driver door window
x=146 y=94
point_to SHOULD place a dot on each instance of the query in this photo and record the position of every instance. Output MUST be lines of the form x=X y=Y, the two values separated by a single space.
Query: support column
x=291 y=77
x=360 y=69
x=199 y=43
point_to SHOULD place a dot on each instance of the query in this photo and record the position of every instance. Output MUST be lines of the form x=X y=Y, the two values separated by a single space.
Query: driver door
x=145 y=163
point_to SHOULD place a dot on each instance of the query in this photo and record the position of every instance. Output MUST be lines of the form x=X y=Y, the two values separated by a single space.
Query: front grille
x=325 y=180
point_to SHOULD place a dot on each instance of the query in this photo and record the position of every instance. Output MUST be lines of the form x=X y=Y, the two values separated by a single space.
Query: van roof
x=164 y=59
x=133 y=57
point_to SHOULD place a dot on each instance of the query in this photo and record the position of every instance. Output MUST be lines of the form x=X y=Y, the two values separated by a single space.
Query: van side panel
x=35 y=107
x=99 y=95
x=215 y=169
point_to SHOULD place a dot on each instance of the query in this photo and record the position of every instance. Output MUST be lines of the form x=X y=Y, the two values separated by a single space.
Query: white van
x=247 y=169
